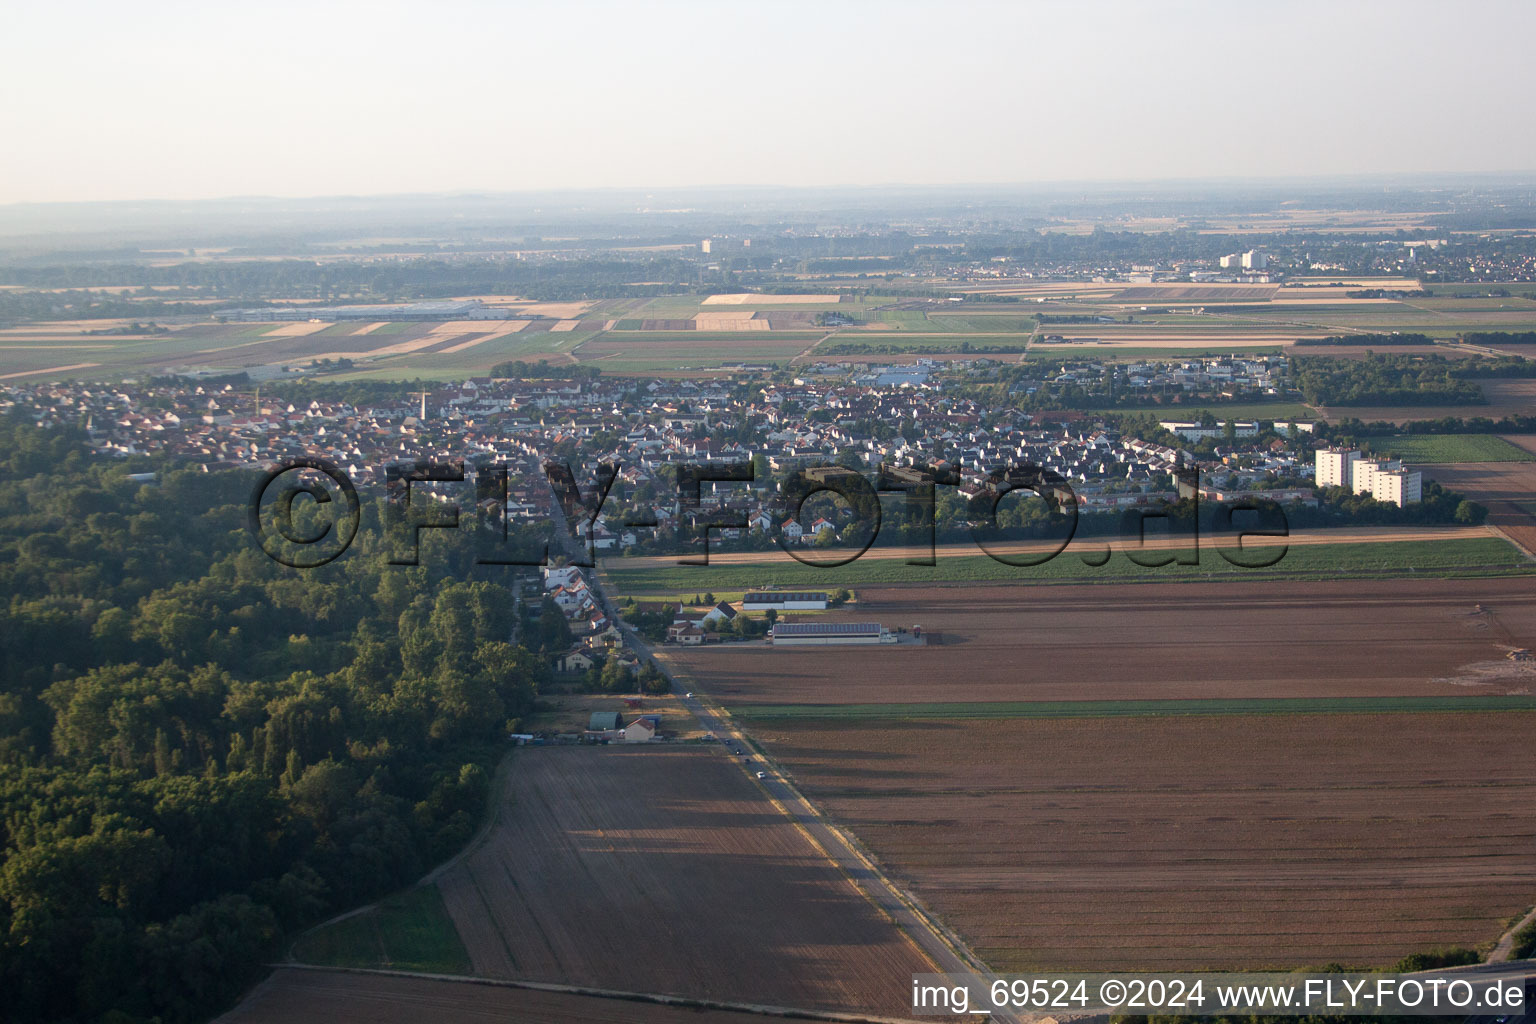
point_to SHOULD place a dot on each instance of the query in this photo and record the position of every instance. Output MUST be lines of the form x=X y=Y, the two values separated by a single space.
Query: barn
x=602 y=721
x=784 y=601
x=811 y=634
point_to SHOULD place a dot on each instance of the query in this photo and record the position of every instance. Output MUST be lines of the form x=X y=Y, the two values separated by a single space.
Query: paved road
x=946 y=950
x=1506 y=970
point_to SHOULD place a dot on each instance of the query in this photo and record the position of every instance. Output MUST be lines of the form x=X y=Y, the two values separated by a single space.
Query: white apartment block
x=1336 y=467
x=1387 y=481
x=1383 y=479
x=1254 y=260
x=1398 y=487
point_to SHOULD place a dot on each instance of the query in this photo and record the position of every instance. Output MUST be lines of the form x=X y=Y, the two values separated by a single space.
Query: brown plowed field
x=339 y=997
x=1191 y=842
x=1150 y=641
x=667 y=870
x=1507 y=488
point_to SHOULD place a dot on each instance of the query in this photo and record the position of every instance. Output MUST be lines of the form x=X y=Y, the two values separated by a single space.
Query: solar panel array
x=826 y=629
x=774 y=597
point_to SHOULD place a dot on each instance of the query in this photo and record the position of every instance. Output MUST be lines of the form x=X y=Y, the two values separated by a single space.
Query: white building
x=1336 y=467
x=1254 y=260
x=1388 y=482
x=1192 y=431
x=1231 y=262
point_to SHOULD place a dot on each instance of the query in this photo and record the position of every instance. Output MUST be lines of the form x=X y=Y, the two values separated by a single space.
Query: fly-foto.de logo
x=332 y=514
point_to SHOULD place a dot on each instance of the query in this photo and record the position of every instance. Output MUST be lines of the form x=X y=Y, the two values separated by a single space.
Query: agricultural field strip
x=1256 y=847
x=959 y=711
x=1298 y=538
x=303 y=995
x=1480 y=556
x=664 y=838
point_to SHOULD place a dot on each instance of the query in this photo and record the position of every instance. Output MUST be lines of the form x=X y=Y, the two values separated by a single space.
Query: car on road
x=688 y=694
x=762 y=775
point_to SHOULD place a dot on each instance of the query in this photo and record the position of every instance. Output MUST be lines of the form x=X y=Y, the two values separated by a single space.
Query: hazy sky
x=156 y=100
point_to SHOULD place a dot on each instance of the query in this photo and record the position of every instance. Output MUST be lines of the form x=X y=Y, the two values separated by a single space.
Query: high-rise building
x=1254 y=260
x=1388 y=481
x=1336 y=467
x=1231 y=261
x=704 y=246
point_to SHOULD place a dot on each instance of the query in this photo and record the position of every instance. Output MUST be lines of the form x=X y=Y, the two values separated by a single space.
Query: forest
x=1384 y=380
x=205 y=751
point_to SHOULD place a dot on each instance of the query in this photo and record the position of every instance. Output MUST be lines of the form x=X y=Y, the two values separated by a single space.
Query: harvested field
x=755 y=299
x=47 y=370
x=296 y=330
x=564 y=325
x=667 y=870
x=1197 y=293
x=554 y=310
x=501 y=331
x=293 y=996
x=742 y=320
x=1190 y=843
x=1152 y=642
x=1507 y=488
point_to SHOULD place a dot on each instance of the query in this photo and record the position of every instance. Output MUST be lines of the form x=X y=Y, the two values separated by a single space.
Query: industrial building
x=784 y=601
x=1192 y=431
x=812 y=634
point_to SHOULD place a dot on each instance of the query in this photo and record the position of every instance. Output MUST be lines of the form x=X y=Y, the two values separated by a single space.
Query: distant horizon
x=187 y=102
x=1364 y=179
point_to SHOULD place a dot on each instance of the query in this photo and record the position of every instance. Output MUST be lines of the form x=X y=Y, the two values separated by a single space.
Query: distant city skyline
x=182 y=101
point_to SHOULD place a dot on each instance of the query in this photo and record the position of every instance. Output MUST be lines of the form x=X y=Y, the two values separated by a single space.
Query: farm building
x=808 y=634
x=784 y=601
x=601 y=721
x=643 y=729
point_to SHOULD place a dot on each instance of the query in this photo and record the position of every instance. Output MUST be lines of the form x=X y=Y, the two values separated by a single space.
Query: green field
x=1431 y=448
x=1481 y=556
x=410 y=931
x=1133 y=708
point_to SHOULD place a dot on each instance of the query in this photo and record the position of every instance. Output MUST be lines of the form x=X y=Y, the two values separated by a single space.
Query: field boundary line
x=957 y=946
x=1527 y=552
x=760 y=1009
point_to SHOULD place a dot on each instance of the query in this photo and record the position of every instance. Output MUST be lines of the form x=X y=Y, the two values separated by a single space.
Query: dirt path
x=1506 y=945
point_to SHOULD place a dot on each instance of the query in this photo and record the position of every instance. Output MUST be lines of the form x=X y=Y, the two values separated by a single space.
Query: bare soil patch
x=1149 y=641
x=340 y=997
x=1221 y=842
x=667 y=870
